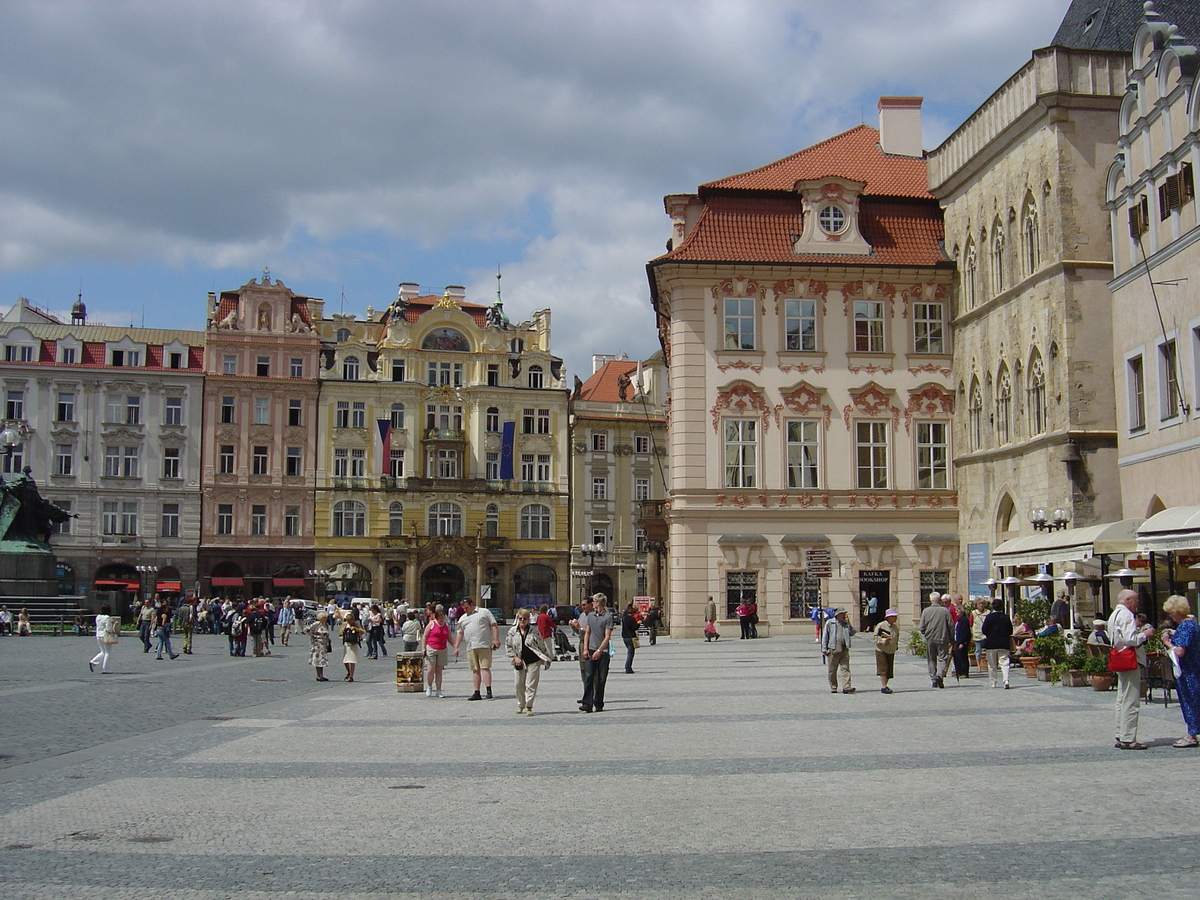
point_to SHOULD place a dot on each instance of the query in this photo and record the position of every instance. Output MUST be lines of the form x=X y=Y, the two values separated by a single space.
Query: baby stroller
x=563 y=648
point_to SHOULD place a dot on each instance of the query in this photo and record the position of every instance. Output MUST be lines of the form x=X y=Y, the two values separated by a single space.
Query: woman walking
x=887 y=642
x=529 y=651
x=108 y=630
x=162 y=629
x=1184 y=643
x=352 y=635
x=375 y=632
x=629 y=635
x=320 y=645
x=410 y=632
x=962 y=645
x=435 y=640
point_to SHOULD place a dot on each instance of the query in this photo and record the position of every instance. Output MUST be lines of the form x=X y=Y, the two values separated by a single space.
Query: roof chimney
x=900 y=125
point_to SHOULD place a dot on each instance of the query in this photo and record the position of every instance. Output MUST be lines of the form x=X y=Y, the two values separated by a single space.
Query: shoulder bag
x=1122 y=660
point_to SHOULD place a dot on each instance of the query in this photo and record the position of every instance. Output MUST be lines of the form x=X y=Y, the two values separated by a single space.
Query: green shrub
x=1095 y=665
x=1051 y=648
x=916 y=643
x=1034 y=613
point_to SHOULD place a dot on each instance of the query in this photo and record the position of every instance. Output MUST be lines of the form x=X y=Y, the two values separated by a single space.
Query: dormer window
x=832 y=219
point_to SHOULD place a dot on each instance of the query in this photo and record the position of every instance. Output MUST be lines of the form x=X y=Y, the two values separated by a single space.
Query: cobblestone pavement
x=718 y=770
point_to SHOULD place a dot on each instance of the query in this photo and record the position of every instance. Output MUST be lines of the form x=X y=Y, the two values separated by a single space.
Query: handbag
x=636 y=643
x=1122 y=660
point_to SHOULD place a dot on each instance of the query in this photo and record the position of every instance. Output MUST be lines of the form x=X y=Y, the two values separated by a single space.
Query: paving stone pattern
x=718 y=770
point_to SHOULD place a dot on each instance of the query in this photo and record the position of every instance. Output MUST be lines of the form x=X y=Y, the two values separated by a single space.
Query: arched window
x=997 y=255
x=1031 y=248
x=535 y=522
x=970 y=276
x=975 y=416
x=493 y=520
x=350 y=368
x=535 y=377
x=396 y=519
x=492 y=420
x=397 y=415
x=445 y=519
x=1036 y=379
x=1003 y=406
x=349 y=519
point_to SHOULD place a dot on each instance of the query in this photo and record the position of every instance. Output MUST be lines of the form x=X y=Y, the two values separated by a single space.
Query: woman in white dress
x=108 y=629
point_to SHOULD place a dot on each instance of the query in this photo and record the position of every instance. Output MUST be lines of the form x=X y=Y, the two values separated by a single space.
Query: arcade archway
x=444 y=583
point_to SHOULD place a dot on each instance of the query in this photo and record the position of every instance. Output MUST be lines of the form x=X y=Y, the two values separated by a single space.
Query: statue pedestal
x=27 y=570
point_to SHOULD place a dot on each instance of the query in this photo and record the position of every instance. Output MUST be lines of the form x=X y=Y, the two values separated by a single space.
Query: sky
x=152 y=152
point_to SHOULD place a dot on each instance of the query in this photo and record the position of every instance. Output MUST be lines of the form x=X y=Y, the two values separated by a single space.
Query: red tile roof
x=763 y=228
x=853 y=154
x=602 y=386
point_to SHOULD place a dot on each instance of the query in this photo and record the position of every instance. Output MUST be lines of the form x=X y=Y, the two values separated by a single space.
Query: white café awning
x=1069 y=544
x=1177 y=528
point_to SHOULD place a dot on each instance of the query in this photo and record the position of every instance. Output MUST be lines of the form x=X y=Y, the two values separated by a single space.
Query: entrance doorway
x=874 y=596
x=444 y=584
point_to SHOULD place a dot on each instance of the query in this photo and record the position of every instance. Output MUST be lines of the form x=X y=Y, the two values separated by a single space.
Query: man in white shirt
x=1124 y=633
x=478 y=629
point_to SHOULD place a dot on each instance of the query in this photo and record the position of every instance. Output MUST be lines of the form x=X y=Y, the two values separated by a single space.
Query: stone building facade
x=619 y=463
x=1022 y=185
x=1156 y=293
x=442 y=469
x=259 y=463
x=113 y=423
x=803 y=308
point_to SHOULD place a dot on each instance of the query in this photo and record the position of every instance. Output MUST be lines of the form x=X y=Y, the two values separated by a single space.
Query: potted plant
x=1071 y=669
x=1051 y=649
x=1097 y=670
x=916 y=643
x=1030 y=664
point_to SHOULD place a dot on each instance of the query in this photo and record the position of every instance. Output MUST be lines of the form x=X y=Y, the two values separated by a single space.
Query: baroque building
x=618 y=467
x=1156 y=295
x=111 y=422
x=442 y=470
x=1022 y=185
x=259 y=462
x=803 y=310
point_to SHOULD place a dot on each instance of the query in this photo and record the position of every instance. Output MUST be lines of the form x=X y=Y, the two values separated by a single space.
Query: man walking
x=287 y=618
x=478 y=628
x=146 y=617
x=187 y=621
x=1124 y=633
x=597 y=634
x=937 y=628
x=835 y=644
x=997 y=630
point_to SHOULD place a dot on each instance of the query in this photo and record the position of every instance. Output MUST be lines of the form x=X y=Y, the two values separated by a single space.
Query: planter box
x=1043 y=673
x=1075 y=678
x=1030 y=665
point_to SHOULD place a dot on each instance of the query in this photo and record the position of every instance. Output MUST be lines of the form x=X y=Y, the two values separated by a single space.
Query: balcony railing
x=444 y=434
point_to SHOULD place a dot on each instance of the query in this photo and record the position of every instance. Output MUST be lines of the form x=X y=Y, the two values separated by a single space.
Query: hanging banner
x=507 y=438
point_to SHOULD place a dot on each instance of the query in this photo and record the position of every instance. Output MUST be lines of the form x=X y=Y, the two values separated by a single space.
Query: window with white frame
x=929 y=330
x=224 y=518
x=600 y=487
x=803 y=453
x=350 y=368
x=739 y=323
x=14 y=405
x=66 y=407
x=528 y=421
x=349 y=519
x=225 y=459
x=295 y=413
x=262 y=410
x=443 y=417
x=291 y=521
x=396 y=519
x=493 y=375
x=64 y=459
x=229 y=364
x=358 y=463
x=171 y=461
x=341 y=462
x=262 y=367
x=358 y=415
x=491 y=421
x=130 y=462
x=641 y=489
x=296 y=367
x=396 y=464
x=492 y=520
x=527 y=467
x=445 y=519
x=341 y=414
x=1135 y=385
x=228 y=405
x=294 y=462
x=66 y=356
x=491 y=466
x=175 y=360
x=443 y=463
x=932 y=456
x=543 y=421
x=112 y=462
x=129 y=518
x=170 y=520
x=868 y=326
x=535 y=377
x=599 y=441
x=600 y=535
x=173 y=411
x=397 y=416
x=535 y=522
x=258 y=519
x=114 y=410
x=871 y=455
x=1168 y=379
x=741 y=453
x=13 y=462
x=110 y=517
x=800 y=324
x=259 y=461
x=63 y=527
x=641 y=443
x=639 y=544
x=399 y=370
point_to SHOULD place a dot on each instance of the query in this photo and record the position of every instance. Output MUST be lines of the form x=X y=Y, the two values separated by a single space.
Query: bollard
x=410 y=672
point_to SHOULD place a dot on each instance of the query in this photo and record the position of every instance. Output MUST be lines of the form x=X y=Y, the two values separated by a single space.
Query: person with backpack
x=352 y=635
x=238 y=628
x=256 y=621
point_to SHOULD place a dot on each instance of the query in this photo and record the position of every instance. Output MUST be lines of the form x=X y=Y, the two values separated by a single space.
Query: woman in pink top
x=434 y=641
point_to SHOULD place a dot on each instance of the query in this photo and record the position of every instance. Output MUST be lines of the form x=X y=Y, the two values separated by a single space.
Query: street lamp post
x=14 y=434
x=144 y=571
x=319 y=577
x=591 y=551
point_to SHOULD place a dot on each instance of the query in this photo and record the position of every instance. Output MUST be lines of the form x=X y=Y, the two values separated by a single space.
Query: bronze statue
x=25 y=515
